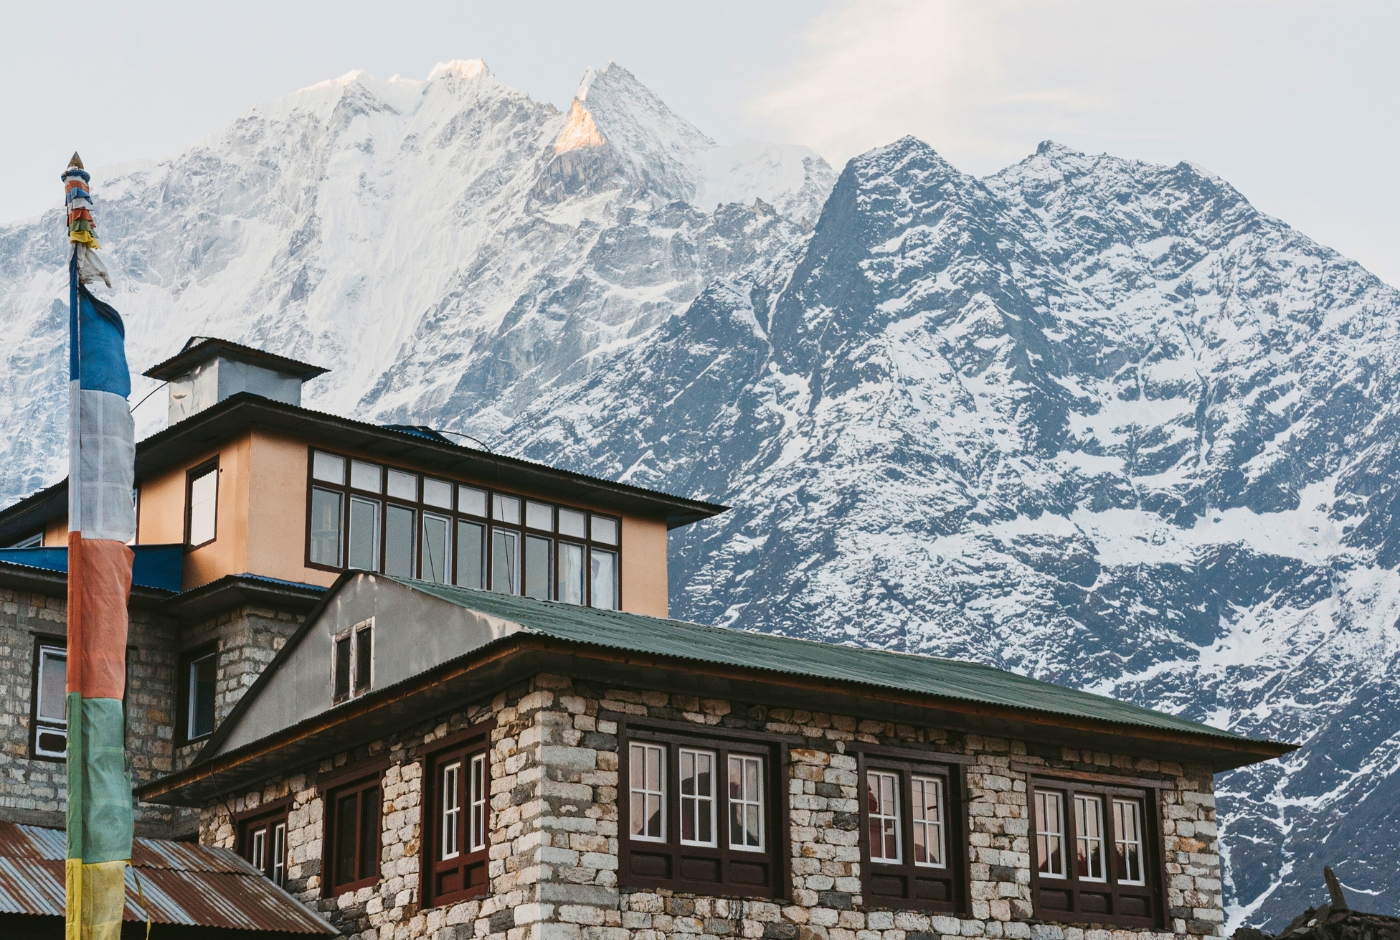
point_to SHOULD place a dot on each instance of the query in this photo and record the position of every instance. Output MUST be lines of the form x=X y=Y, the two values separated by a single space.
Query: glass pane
x=341 y=687
x=539 y=573
x=325 y=527
x=506 y=509
x=505 y=561
x=471 y=501
x=436 y=536
x=364 y=533
x=604 y=579
x=539 y=516
x=403 y=485
x=204 y=491
x=471 y=555
x=328 y=468
x=573 y=523
x=605 y=530
x=1128 y=850
x=204 y=680
x=571 y=573
x=437 y=493
x=398 y=541
x=1049 y=833
x=53 y=684
x=279 y=853
x=369 y=832
x=346 y=817
x=1088 y=821
x=364 y=659
x=365 y=476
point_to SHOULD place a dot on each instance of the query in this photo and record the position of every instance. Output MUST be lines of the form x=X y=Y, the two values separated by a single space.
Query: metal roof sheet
x=182 y=883
x=910 y=672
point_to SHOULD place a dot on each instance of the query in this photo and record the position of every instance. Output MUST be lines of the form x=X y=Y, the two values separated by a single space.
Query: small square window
x=437 y=493
x=573 y=523
x=471 y=501
x=50 y=710
x=366 y=476
x=403 y=485
x=539 y=516
x=506 y=509
x=328 y=468
x=352 y=661
x=605 y=530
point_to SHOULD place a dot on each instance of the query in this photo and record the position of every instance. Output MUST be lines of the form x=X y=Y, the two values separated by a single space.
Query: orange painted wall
x=644 y=567
x=56 y=533
x=277 y=513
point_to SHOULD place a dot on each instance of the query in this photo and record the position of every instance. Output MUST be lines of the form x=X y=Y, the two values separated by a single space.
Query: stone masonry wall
x=34 y=790
x=554 y=832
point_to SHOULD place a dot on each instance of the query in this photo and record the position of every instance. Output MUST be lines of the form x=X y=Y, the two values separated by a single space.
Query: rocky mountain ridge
x=1088 y=418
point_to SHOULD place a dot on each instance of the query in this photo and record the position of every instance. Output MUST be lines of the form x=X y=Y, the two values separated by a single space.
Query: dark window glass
x=398 y=541
x=539 y=571
x=204 y=679
x=505 y=561
x=369 y=833
x=437 y=534
x=471 y=557
x=364 y=659
x=342 y=668
x=325 y=527
x=364 y=533
x=347 y=819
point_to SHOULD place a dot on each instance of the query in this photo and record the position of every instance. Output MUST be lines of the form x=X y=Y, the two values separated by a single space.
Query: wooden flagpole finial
x=77 y=161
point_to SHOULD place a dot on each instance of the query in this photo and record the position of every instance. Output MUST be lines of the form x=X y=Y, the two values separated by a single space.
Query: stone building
x=433 y=761
x=431 y=691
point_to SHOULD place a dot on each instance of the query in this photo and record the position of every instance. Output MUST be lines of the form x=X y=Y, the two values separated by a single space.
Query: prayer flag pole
x=101 y=521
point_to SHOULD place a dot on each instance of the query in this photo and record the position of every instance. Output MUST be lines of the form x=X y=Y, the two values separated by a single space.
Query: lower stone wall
x=34 y=791
x=554 y=823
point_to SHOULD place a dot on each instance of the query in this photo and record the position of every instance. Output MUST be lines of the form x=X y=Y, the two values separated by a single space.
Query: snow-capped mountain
x=1091 y=419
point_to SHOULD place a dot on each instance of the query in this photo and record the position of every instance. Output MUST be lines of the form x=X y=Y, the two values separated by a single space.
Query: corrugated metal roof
x=911 y=672
x=183 y=883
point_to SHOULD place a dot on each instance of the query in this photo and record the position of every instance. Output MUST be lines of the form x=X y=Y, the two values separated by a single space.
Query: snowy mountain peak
x=459 y=68
x=579 y=130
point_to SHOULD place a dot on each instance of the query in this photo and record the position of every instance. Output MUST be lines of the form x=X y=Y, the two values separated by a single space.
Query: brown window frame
x=455 y=516
x=676 y=866
x=470 y=868
x=265 y=818
x=1076 y=894
x=900 y=884
x=191 y=475
x=364 y=786
x=182 y=692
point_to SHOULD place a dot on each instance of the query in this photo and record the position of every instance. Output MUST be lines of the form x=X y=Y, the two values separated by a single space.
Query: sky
x=1295 y=104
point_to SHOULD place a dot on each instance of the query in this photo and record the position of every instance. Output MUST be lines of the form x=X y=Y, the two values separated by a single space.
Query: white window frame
x=876 y=782
x=933 y=829
x=1090 y=844
x=694 y=804
x=639 y=752
x=212 y=502
x=259 y=848
x=748 y=801
x=478 y=798
x=1045 y=800
x=1137 y=843
x=34 y=541
x=279 y=853
x=448 y=846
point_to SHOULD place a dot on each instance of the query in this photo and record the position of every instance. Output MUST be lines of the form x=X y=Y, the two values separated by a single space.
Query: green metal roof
x=908 y=672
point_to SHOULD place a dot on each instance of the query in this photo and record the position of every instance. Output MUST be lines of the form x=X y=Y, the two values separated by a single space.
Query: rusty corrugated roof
x=183 y=883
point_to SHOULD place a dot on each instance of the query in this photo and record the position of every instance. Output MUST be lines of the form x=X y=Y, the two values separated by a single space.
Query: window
x=458 y=817
x=352 y=661
x=201 y=504
x=198 y=688
x=49 y=702
x=376 y=518
x=911 y=819
x=262 y=840
x=1095 y=856
x=351 y=853
x=33 y=541
x=700 y=814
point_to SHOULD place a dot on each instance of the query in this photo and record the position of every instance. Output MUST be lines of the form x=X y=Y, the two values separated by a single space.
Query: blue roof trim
x=154 y=566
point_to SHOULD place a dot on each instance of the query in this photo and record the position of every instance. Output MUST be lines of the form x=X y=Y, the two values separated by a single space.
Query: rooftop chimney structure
x=208 y=370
